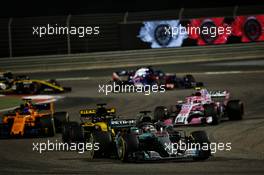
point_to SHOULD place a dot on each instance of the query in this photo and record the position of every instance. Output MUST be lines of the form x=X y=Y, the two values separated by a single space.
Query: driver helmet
x=28 y=102
x=26 y=110
x=145 y=119
x=198 y=93
x=166 y=114
x=148 y=128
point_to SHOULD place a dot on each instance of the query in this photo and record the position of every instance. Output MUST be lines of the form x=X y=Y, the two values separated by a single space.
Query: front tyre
x=210 y=111
x=126 y=145
x=202 y=139
x=122 y=152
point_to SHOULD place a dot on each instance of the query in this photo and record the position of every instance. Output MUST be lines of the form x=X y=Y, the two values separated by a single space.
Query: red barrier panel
x=249 y=28
x=211 y=31
x=203 y=31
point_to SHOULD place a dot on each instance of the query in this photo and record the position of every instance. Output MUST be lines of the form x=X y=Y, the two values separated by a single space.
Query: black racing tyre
x=76 y=134
x=132 y=141
x=66 y=131
x=105 y=140
x=202 y=138
x=160 y=113
x=91 y=150
x=235 y=109
x=47 y=126
x=209 y=110
x=127 y=145
x=4 y=131
x=175 y=136
x=5 y=128
x=122 y=152
x=59 y=119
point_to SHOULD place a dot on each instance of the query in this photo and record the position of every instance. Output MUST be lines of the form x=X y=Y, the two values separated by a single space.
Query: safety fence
x=128 y=58
x=99 y=32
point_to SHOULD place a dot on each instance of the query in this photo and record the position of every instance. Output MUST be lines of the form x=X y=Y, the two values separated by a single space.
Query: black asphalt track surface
x=245 y=81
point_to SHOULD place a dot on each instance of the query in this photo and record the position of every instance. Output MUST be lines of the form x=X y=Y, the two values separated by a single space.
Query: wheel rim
x=121 y=149
x=91 y=152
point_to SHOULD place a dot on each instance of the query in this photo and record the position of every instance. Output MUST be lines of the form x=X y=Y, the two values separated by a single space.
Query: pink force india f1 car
x=202 y=107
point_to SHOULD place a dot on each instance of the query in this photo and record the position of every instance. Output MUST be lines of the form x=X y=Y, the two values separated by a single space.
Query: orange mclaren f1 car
x=32 y=120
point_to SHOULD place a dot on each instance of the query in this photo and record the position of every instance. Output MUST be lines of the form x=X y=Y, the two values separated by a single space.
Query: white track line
x=75 y=78
x=39 y=99
x=8 y=109
x=231 y=72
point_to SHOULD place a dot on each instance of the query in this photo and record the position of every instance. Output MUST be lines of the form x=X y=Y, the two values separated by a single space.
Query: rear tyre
x=47 y=126
x=202 y=138
x=235 y=109
x=72 y=132
x=60 y=118
x=76 y=133
x=105 y=143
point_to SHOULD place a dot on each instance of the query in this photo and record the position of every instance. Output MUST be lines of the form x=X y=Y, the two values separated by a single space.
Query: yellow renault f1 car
x=10 y=84
x=32 y=120
x=94 y=128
